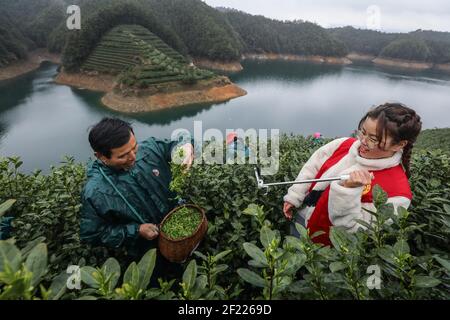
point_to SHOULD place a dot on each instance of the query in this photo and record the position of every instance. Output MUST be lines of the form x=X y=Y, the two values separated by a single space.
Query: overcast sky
x=384 y=15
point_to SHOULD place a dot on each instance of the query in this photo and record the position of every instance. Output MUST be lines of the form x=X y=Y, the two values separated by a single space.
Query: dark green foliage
x=431 y=200
x=48 y=206
x=140 y=58
x=13 y=44
x=248 y=233
x=407 y=48
x=438 y=43
x=433 y=139
x=262 y=35
x=25 y=25
x=192 y=27
x=363 y=41
x=81 y=43
x=428 y=46
x=45 y=22
x=225 y=191
x=204 y=30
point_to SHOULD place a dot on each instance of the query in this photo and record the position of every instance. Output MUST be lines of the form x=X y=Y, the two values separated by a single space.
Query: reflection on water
x=161 y=117
x=15 y=92
x=42 y=121
x=284 y=71
x=428 y=76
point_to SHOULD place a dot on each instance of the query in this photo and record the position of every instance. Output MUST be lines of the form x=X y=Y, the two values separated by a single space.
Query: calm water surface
x=42 y=121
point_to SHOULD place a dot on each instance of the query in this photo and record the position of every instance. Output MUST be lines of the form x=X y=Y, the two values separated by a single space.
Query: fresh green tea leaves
x=182 y=223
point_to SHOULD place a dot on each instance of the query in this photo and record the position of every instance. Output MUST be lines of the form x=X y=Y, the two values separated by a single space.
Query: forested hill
x=26 y=24
x=197 y=30
x=262 y=35
x=204 y=30
x=419 y=45
x=190 y=26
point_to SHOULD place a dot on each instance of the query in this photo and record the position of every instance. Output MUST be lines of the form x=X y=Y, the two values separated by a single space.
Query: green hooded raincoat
x=106 y=220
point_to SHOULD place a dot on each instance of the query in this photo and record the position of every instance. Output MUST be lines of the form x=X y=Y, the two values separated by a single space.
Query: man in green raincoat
x=127 y=190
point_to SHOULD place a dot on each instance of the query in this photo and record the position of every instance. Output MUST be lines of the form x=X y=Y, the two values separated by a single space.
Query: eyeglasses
x=371 y=142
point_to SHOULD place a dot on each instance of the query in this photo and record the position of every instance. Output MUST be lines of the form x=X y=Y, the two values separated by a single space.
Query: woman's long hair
x=400 y=123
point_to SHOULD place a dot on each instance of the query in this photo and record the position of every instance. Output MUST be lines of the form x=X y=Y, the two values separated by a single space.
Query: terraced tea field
x=141 y=58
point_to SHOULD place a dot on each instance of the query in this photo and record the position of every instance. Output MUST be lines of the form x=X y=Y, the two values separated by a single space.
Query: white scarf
x=353 y=161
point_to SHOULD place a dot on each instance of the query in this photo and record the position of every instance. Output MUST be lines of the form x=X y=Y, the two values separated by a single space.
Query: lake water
x=42 y=121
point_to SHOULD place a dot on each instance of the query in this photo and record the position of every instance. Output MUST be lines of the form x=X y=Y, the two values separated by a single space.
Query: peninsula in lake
x=155 y=54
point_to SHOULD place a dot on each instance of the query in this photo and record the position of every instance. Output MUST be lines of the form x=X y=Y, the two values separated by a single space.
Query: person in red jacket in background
x=379 y=156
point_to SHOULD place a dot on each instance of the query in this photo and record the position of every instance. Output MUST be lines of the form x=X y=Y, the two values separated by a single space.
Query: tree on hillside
x=261 y=34
x=80 y=43
x=407 y=48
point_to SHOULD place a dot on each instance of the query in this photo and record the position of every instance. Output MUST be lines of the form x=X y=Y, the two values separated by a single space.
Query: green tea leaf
x=58 y=286
x=146 y=266
x=219 y=268
x=294 y=262
x=111 y=268
x=256 y=253
x=443 y=262
x=251 y=277
x=266 y=236
x=401 y=247
x=190 y=274
x=87 y=276
x=426 y=282
x=317 y=233
x=222 y=255
x=31 y=245
x=379 y=196
x=301 y=230
x=254 y=210
x=386 y=254
x=201 y=255
x=447 y=208
x=339 y=238
x=36 y=263
x=9 y=256
x=132 y=275
x=5 y=206
x=337 y=266
x=200 y=284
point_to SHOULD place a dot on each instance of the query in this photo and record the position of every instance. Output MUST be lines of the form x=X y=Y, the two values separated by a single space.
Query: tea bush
x=249 y=236
x=48 y=206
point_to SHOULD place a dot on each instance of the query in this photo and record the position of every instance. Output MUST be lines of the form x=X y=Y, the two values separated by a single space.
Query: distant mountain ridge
x=197 y=30
x=419 y=45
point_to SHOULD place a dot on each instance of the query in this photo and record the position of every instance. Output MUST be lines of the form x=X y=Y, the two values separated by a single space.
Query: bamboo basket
x=180 y=249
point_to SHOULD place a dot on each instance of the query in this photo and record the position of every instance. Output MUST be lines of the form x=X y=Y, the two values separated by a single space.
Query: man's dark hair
x=108 y=134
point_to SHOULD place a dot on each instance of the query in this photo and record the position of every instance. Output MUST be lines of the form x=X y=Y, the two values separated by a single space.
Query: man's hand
x=148 y=231
x=287 y=210
x=188 y=151
x=358 y=178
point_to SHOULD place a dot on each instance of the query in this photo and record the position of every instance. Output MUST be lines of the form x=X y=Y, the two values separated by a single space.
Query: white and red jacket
x=341 y=206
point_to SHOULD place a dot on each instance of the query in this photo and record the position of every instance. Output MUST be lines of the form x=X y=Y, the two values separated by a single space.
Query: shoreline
x=38 y=56
x=398 y=63
x=216 y=90
x=90 y=81
x=293 y=57
x=404 y=64
x=33 y=62
x=169 y=100
x=231 y=66
x=360 y=57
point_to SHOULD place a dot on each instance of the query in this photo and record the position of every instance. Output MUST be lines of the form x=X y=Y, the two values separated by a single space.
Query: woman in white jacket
x=381 y=155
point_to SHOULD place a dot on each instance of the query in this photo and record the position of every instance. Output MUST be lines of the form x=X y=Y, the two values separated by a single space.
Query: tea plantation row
x=141 y=59
x=247 y=253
